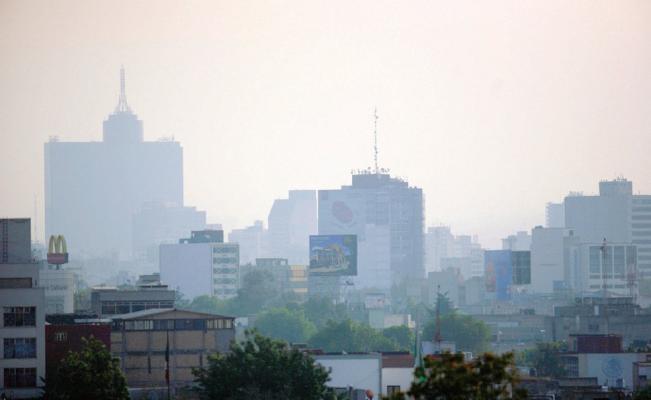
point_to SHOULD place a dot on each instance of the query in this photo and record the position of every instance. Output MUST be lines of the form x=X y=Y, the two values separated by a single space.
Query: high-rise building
x=555 y=215
x=15 y=245
x=93 y=189
x=291 y=222
x=387 y=215
x=157 y=223
x=253 y=241
x=438 y=244
x=616 y=215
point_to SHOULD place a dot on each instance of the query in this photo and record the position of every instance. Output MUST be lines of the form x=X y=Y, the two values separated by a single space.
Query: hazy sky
x=493 y=108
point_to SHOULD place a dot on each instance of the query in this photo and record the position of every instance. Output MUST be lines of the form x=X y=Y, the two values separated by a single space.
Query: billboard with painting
x=333 y=255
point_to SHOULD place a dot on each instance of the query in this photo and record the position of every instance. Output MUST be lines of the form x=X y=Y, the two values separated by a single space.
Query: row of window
x=174 y=324
x=19 y=316
x=225 y=260
x=225 y=281
x=20 y=377
x=224 y=250
x=225 y=270
x=125 y=307
x=19 y=348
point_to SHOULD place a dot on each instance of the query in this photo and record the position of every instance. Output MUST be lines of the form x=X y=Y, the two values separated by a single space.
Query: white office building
x=195 y=268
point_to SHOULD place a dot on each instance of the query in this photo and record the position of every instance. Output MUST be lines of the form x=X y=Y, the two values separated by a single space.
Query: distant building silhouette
x=93 y=189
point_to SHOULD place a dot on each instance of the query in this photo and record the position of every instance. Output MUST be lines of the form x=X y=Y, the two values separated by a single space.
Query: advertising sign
x=333 y=255
x=499 y=273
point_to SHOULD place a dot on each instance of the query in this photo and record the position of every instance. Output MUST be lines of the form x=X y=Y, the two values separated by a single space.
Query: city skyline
x=489 y=146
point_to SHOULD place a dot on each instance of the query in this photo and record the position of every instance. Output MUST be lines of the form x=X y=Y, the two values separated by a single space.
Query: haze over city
x=494 y=109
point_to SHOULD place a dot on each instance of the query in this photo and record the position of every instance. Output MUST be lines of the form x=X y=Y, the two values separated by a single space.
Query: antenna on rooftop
x=377 y=169
x=122 y=102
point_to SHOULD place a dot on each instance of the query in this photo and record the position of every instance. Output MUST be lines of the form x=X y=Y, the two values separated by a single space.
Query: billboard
x=333 y=255
x=499 y=273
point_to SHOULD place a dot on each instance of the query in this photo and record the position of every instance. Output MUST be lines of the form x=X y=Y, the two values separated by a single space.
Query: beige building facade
x=140 y=341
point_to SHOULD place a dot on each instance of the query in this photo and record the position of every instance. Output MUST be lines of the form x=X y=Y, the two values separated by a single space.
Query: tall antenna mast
x=122 y=102
x=377 y=170
x=437 y=334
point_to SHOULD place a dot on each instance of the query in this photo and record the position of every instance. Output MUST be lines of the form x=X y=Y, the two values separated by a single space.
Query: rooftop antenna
x=122 y=102
x=377 y=170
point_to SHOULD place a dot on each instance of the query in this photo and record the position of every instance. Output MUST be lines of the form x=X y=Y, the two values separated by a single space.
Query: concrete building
x=387 y=215
x=547 y=259
x=291 y=222
x=448 y=282
x=520 y=241
x=603 y=316
x=253 y=241
x=641 y=234
x=288 y=279
x=140 y=340
x=359 y=372
x=59 y=285
x=555 y=215
x=22 y=360
x=156 y=223
x=201 y=265
x=108 y=301
x=22 y=304
x=93 y=189
x=438 y=245
x=397 y=372
x=15 y=244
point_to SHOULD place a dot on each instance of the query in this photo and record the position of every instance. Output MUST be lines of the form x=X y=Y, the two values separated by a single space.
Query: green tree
x=351 y=336
x=451 y=377
x=643 y=394
x=545 y=359
x=468 y=333
x=262 y=368
x=320 y=310
x=258 y=290
x=91 y=373
x=402 y=335
x=281 y=323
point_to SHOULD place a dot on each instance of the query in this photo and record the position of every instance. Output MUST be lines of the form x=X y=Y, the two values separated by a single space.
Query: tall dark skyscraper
x=93 y=189
x=387 y=215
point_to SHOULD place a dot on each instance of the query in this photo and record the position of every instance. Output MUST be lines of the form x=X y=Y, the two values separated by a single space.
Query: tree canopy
x=262 y=368
x=282 y=323
x=402 y=336
x=468 y=333
x=91 y=373
x=450 y=377
x=351 y=336
x=545 y=359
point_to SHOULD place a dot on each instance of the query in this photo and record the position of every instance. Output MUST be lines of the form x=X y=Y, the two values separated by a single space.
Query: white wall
x=547 y=263
x=359 y=371
x=397 y=377
x=609 y=366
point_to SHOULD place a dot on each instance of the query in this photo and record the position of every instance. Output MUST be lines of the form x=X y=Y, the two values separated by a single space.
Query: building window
x=20 y=377
x=61 y=336
x=595 y=260
x=139 y=325
x=20 y=348
x=19 y=316
x=393 y=389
